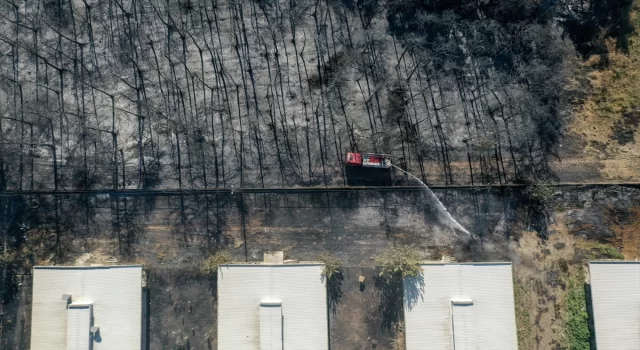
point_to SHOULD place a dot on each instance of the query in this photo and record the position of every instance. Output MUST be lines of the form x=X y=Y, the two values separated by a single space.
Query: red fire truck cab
x=368 y=169
x=368 y=160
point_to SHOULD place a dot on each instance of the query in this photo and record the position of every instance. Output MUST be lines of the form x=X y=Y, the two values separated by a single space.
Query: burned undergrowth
x=581 y=224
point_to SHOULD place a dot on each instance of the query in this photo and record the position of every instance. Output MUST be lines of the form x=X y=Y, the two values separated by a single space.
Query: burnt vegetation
x=200 y=94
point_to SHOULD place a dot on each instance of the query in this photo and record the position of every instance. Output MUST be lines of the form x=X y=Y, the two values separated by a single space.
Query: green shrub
x=598 y=250
x=577 y=322
x=211 y=264
x=403 y=261
x=609 y=252
x=540 y=191
x=332 y=265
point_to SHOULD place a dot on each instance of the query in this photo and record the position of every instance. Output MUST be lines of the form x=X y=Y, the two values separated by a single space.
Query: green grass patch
x=577 y=318
x=598 y=250
x=524 y=305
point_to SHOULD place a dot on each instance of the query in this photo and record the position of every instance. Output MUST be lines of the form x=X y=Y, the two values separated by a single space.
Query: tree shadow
x=213 y=285
x=537 y=214
x=128 y=222
x=589 y=306
x=334 y=290
x=589 y=28
x=391 y=308
x=413 y=291
x=200 y=219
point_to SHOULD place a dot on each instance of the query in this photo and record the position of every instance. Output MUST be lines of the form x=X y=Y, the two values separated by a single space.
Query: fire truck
x=368 y=169
x=369 y=160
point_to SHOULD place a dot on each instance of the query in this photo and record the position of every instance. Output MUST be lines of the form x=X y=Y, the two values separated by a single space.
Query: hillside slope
x=196 y=94
x=601 y=134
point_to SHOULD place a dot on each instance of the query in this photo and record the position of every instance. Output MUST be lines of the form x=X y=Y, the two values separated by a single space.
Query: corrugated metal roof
x=615 y=297
x=467 y=306
x=301 y=290
x=270 y=326
x=114 y=291
x=463 y=327
x=78 y=324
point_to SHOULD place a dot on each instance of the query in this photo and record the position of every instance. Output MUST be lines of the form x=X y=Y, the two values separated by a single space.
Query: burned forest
x=201 y=94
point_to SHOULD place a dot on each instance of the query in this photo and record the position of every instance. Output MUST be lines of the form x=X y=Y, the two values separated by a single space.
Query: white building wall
x=488 y=324
x=299 y=287
x=114 y=291
x=615 y=297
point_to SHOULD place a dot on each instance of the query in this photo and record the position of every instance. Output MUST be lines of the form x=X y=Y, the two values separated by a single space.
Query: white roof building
x=86 y=308
x=615 y=297
x=272 y=307
x=461 y=307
